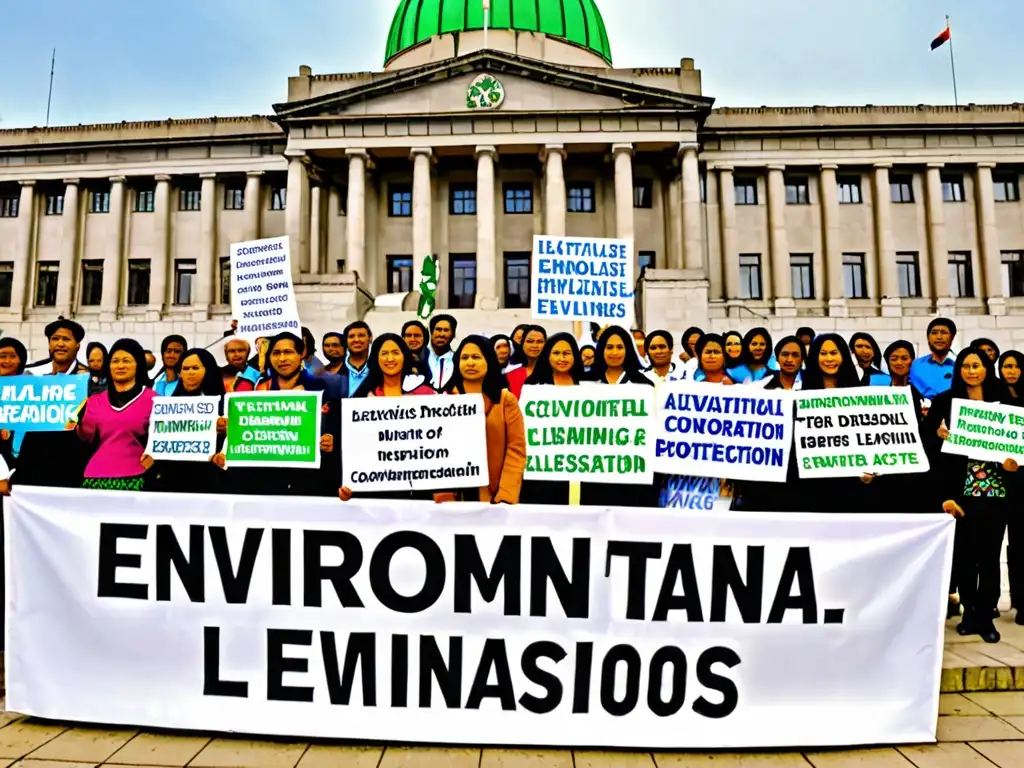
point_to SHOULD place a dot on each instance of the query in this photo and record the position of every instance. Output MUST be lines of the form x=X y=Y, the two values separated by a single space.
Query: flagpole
x=952 y=62
x=49 y=96
x=487 y=20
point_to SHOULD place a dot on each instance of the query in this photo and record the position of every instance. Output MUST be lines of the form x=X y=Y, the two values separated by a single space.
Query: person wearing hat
x=932 y=374
x=56 y=459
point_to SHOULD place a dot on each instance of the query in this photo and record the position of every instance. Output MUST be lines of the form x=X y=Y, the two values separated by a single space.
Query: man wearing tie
x=440 y=359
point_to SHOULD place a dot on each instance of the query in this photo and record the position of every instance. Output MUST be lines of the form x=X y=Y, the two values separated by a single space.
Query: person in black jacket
x=978 y=492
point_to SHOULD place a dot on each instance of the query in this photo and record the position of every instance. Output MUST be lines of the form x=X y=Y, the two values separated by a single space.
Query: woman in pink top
x=116 y=422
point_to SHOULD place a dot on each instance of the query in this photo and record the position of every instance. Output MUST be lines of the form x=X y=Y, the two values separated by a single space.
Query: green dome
x=576 y=21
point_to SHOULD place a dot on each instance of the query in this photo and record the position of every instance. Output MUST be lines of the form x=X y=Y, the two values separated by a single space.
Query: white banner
x=183 y=428
x=592 y=434
x=475 y=623
x=854 y=432
x=262 y=295
x=707 y=430
x=985 y=431
x=582 y=278
x=416 y=442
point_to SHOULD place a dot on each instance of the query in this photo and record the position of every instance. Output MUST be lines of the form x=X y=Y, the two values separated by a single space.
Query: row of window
x=1006 y=189
x=518 y=198
x=462 y=277
x=143 y=201
x=908 y=275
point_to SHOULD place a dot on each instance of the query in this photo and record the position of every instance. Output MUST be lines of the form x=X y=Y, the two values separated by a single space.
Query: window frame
x=957 y=263
x=99 y=201
x=516 y=187
x=181 y=268
x=517 y=259
x=458 y=261
x=848 y=189
x=190 y=199
x=748 y=271
x=796 y=184
x=1006 y=261
x=855 y=266
x=1009 y=183
x=53 y=204
x=745 y=183
x=645 y=187
x=908 y=274
x=898 y=184
x=134 y=268
x=6 y=283
x=806 y=267
x=396 y=266
x=467 y=190
x=47 y=268
x=587 y=191
x=278 y=197
x=143 y=200
x=10 y=206
x=234 y=197
x=92 y=278
x=953 y=188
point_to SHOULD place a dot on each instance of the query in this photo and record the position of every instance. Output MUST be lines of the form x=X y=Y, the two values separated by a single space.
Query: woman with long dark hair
x=477 y=371
x=526 y=355
x=116 y=422
x=1011 y=364
x=616 y=360
x=559 y=364
x=867 y=356
x=659 y=347
x=733 y=349
x=199 y=375
x=978 y=492
x=710 y=359
x=756 y=361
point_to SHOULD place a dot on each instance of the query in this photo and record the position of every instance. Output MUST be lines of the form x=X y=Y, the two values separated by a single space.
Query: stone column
x=938 y=255
x=727 y=215
x=623 y=159
x=161 y=263
x=253 y=204
x=68 y=248
x=296 y=213
x=988 y=239
x=355 y=214
x=885 y=250
x=674 y=230
x=487 y=296
x=778 y=244
x=554 y=190
x=833 y=255
x=422 y=223
x=693 y=239
x=206 y=261
x=113 y=262
x=316 y=234
x=22 y=281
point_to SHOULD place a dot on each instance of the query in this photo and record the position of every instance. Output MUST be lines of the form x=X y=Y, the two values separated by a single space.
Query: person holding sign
x=830 y=365
x=978 y=492
x=116 y=422
x=199 y=376
x=559 y=364
x=13 y=357
x=528 y=353
x=392 y=374
x=478 y=371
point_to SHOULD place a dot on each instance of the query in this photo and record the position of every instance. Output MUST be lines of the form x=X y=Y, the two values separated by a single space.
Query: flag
x=940 y=38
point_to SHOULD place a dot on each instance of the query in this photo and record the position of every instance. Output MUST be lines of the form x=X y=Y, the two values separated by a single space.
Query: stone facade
x=840 y=218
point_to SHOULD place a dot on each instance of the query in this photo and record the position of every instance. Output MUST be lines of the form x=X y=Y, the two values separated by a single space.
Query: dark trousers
x=1015 y=559
x=976 y=554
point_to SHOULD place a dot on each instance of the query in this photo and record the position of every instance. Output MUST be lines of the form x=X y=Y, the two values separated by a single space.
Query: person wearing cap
x=932 y=374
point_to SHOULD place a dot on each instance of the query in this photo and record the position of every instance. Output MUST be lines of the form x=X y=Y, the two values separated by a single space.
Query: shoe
x=995 y=613
x=1019 y=619
x=989 y=634
x=966 y=627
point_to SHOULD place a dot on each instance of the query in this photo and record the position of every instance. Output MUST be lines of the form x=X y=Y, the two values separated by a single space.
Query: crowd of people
x=104 y=447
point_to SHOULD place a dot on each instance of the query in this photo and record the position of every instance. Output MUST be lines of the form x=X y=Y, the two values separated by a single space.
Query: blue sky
x=129 y=60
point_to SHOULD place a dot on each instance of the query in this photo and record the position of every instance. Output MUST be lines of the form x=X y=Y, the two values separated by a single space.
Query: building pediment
x=477 y=81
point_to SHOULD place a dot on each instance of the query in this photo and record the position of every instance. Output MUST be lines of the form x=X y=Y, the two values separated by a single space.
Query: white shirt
x=441 y=368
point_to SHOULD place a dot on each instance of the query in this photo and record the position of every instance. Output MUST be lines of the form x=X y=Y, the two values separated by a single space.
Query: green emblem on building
x=485 y=92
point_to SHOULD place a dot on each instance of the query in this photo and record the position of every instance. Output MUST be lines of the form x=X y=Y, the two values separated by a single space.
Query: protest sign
x=415 y=442
x=589 y=434
x=273 y=429
x=739 y=433
x=41 y=403
x=703 y=494
x=985 y=431
x=867 y=432
x=262 y=295
x=582 y=278
x=183 y=428
x=475 y=624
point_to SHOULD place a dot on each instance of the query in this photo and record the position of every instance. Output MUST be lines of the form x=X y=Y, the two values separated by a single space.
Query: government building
x=469 y=142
